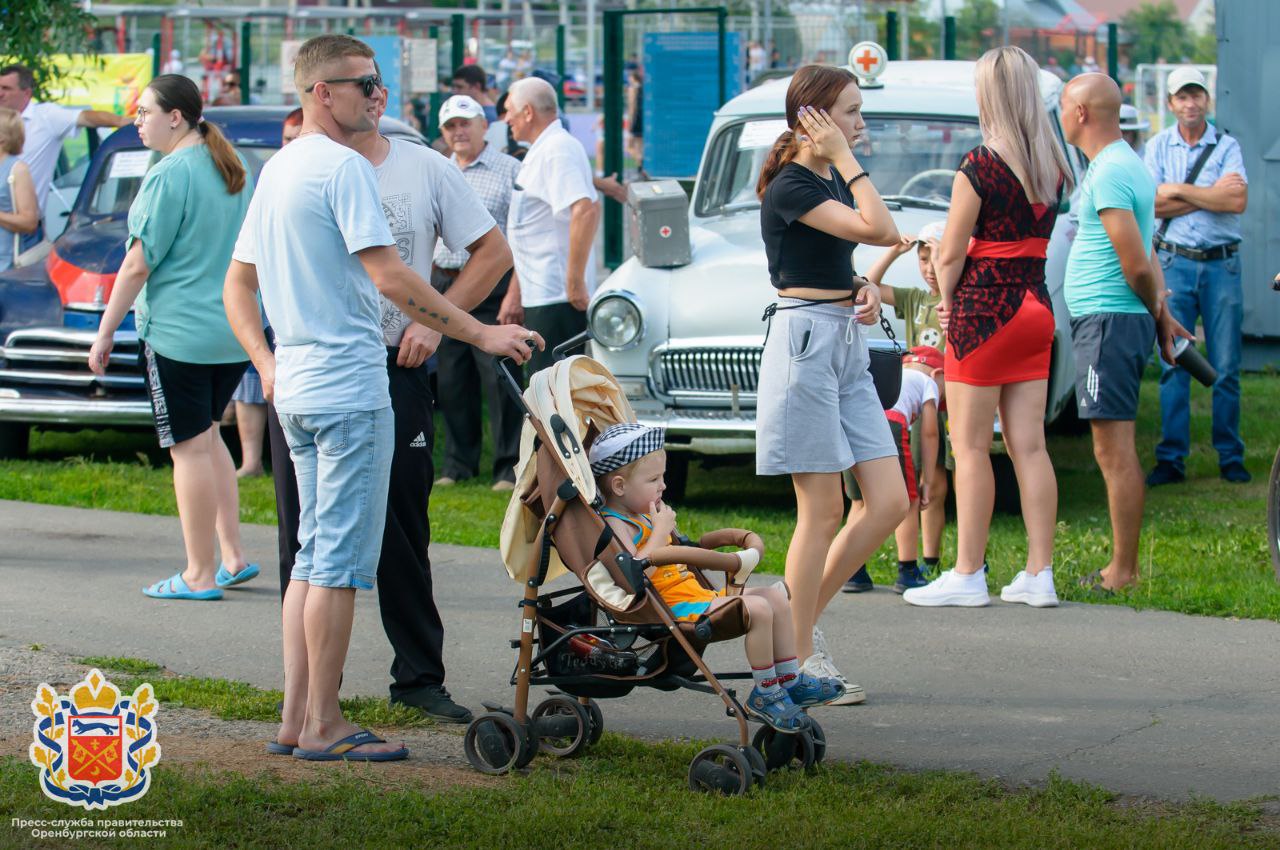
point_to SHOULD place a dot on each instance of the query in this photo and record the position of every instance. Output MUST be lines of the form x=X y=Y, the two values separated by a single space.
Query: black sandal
x=1093 y=583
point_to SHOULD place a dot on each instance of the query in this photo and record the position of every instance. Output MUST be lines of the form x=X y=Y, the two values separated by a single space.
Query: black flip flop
x=1093 y=583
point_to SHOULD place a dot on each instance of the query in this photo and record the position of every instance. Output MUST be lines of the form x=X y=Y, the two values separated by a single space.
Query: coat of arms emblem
x=95 y=748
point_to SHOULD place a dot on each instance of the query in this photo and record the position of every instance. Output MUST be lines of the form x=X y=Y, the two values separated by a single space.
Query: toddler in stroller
x=613 y=630
x=629 y=463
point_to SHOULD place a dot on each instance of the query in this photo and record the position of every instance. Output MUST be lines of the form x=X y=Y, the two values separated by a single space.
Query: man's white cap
x=1130 y=119
x=1185 y=76
x=460 y=106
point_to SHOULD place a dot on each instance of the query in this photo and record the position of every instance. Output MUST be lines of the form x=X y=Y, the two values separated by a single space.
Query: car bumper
x=708 y=432
x=50 y=409
x=724 y=432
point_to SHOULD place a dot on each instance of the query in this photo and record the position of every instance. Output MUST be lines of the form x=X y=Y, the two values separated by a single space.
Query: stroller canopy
x=583 y=393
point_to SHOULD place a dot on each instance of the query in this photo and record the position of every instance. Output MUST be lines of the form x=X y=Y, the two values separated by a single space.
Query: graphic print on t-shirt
x=399 y=212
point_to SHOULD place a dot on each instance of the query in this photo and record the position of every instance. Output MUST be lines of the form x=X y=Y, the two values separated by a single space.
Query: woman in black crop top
x=817 y=411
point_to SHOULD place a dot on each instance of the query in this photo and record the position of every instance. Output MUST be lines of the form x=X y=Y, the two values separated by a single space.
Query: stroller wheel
x=597 y=722
x=781 y=749
x=494 y=743
x=819 y=738
x=721 y=769
x=562 y=726
x=530 y=748
x=758 y=767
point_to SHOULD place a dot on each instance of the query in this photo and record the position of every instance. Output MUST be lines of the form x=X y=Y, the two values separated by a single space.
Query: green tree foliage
x=1157 y=33
x=978 y=28
x=33 y=31
x=924 y=36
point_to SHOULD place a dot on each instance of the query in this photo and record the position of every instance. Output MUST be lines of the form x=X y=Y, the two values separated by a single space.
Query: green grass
x=231 y=700
x=1203 y=549
x=629 y=794
x=621 y=793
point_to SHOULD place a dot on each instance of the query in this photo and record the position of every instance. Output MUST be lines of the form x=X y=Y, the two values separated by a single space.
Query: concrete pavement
x=1148 y=703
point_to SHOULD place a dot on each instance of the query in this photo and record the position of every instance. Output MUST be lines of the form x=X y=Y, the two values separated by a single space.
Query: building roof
x=1114 y=10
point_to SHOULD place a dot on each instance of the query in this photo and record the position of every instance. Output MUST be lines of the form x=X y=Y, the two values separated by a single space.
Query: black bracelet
x=855 y=178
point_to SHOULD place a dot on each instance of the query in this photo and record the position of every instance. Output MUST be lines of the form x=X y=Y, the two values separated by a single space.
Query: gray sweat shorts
x=1111 y=351
x=817 y=409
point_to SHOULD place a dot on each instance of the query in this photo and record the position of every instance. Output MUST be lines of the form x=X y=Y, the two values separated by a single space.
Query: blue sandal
x=278 y=749
x=777 y=710
x=811 y=690
x=225 y=577
x=343 y=750
x=175 y=588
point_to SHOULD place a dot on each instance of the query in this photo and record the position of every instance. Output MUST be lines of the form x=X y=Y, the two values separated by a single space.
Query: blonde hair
x=1013 y=120
x=12 y=134
x=318 y=53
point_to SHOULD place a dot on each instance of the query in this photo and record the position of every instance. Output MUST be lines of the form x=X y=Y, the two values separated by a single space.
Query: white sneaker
x=951 y=588
x=1034 y=590
x=816 y=665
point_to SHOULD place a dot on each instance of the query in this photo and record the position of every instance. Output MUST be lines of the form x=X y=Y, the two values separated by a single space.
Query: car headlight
x=616 y=321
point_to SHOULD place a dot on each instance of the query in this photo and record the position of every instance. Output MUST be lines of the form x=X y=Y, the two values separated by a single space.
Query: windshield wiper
x=913 y=201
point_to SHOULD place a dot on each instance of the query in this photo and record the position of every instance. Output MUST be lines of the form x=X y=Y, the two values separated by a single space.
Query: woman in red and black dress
x=1000 y=326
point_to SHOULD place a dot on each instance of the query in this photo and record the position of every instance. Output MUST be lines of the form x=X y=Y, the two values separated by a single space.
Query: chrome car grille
x=58 y=358
x=708 y=373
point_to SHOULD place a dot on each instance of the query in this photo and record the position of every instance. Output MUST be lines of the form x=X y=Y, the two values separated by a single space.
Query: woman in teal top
x=182 y=228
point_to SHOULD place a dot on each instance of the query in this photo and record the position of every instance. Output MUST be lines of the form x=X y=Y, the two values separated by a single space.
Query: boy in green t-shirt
x=918 y=309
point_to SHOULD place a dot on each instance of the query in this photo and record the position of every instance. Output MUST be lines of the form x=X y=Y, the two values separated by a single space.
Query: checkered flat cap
x=620 y=445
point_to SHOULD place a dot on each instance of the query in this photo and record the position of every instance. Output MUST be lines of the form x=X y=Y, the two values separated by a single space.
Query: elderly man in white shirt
x=47 y=125
x=551 y=225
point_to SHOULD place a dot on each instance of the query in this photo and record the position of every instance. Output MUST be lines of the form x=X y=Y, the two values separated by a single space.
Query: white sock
x=766 y=679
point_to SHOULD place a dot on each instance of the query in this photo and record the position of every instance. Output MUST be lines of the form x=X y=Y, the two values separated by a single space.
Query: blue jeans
x=343 y=463
x=1210 y=290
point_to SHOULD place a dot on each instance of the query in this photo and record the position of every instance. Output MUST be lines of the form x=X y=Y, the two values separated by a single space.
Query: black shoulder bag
x=1191 y=178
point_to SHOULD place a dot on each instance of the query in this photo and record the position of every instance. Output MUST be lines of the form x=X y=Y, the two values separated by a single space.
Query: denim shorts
x=817 y=409
x=343 y=463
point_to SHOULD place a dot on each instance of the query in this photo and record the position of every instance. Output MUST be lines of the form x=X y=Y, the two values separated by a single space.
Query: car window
x=909 y=156
x=121 y=176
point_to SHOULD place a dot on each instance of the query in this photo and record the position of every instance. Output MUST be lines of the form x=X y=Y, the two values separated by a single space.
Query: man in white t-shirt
x=551 y=224
x=424 y=198
x=47 y=126
x=316 y=241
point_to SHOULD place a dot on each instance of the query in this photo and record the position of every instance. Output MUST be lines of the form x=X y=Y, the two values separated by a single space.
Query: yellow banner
x=109 y=83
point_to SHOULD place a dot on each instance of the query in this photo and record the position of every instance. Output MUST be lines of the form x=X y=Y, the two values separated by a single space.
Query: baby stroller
x=613 y=633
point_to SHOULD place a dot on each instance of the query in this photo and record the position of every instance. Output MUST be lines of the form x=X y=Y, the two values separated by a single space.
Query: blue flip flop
x=344 y=750
x=175 y=588
x=278 y=749
x=226 y=579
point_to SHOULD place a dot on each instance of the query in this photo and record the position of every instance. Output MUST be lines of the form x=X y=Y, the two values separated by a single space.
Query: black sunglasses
x=369 y=83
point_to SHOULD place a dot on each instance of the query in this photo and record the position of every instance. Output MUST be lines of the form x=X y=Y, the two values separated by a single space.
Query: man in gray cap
x=1202 y=190
x=1133 y=128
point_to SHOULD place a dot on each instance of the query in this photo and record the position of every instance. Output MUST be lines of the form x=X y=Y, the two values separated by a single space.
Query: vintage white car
x=685 y=342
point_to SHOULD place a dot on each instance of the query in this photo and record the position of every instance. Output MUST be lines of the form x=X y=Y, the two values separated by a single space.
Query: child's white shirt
x=917 y=388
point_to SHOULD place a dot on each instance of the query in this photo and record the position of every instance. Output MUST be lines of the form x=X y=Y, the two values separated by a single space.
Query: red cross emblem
x=664 y=231
x=868 y=60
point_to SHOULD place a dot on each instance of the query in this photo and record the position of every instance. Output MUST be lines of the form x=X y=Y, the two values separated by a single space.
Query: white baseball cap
x=460 y=106
x=931 y=232
x=1185 y=76
x=1130 y=119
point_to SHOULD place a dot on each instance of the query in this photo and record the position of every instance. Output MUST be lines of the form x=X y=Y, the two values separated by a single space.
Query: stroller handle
x=561 y=351
x=508 y=382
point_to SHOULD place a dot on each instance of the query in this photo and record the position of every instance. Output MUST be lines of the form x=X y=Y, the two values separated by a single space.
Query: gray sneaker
x=821 y=665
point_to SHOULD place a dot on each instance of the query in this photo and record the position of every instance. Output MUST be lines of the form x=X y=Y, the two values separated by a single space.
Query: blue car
x=49 y=311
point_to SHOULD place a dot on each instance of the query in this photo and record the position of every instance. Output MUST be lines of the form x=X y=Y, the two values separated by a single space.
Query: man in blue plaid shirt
x=461 y=367
x=1197 y=241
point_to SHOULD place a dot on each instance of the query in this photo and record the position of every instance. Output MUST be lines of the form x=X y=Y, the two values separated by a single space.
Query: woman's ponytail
x=782 y=152
x=225 y=158
x=174 y=91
